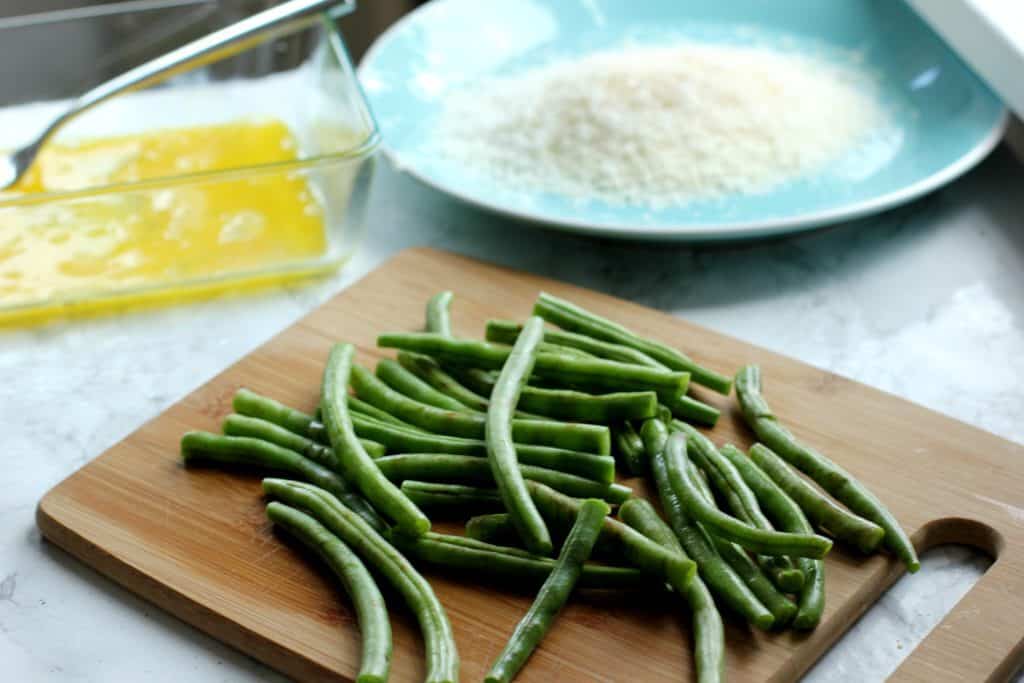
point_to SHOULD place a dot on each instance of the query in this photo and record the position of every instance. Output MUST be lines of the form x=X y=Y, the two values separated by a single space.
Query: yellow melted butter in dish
x=171 y=231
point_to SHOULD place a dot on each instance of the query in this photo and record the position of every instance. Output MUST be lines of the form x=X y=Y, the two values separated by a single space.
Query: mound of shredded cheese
x=657 y=126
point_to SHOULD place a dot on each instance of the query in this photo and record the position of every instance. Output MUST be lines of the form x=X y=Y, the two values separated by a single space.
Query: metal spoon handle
x=280 y=20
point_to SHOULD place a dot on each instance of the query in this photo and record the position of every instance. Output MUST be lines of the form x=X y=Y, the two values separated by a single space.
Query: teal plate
x=942 y=120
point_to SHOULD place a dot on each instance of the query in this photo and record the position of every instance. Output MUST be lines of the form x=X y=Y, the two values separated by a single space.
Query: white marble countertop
x=925 y=302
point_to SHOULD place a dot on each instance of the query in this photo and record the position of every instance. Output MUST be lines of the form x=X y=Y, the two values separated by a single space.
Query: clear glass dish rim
x=360 y=150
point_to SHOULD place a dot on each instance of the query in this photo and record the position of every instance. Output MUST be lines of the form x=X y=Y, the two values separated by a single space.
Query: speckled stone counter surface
x=925 y=302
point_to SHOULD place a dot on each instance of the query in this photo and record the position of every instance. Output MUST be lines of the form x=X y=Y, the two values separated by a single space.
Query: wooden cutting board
x=196 y=542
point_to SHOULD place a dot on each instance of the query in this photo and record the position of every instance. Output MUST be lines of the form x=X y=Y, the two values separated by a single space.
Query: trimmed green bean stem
x=741 y=501
x=629 y=447
x=717 y=574
x=829 y=475
x=510 y=563
x=355 y=461
x=249 y=452
x=438 y=317
x=821 y=510
x=393 y=374
x=673 y=568
x=781 y=607
x=553 y=594
x=730 y=528
x=788 y=516
x=571 y=317
x=460 y=498
x=371 y=611
x=708 y=630
x=591 y=374
x=582 y=437
x=468 y=469
x=597 y=467
x=442 y=658
x=240 y=425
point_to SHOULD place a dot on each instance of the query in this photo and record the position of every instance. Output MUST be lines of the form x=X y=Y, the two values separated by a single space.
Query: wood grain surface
x=196 y=542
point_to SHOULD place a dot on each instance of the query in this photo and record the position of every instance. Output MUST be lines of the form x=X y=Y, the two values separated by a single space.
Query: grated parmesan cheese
x=655 y=126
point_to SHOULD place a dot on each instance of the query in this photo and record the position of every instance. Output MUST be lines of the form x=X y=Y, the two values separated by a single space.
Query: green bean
x=591 y=374
x=501 y=562
x=692 y=410
x=408 y=384
x=199 y=447
x=717 y=574
x=371 y=612
x=577 y=406
x=789 y=517
x=629 y=447
x=356 y=463
x=431 y=372
x=442 y=659
x=497 y=528
x=571 y=317
x=590 y=438
x=459 y=498
x=240 y=425
x=823 y=513
x=468 y=469
x=438 y=318
x=740 y=500
x=730 y=528
x=506 y=331
x=687 y=408
x=781 y=607
x=358 y=405
x=553 y=594
x=476 y=379
x=250 y=404
x=545 y=347
x=708 y=630
x=829 y=475
x=467 y=542
x=501 y=451
x=672 y=568
x=597 y=467
x=494 y=528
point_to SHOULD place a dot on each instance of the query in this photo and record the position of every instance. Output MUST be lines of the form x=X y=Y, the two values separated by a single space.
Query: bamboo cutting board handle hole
x=980 y=638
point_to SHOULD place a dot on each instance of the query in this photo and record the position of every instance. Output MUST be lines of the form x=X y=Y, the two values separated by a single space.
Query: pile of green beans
x=523 y=435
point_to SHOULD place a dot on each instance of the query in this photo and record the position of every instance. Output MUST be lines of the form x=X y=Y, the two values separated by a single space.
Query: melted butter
x=169 y=232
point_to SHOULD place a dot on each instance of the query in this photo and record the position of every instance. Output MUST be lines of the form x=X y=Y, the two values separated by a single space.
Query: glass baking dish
x=304 y=81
